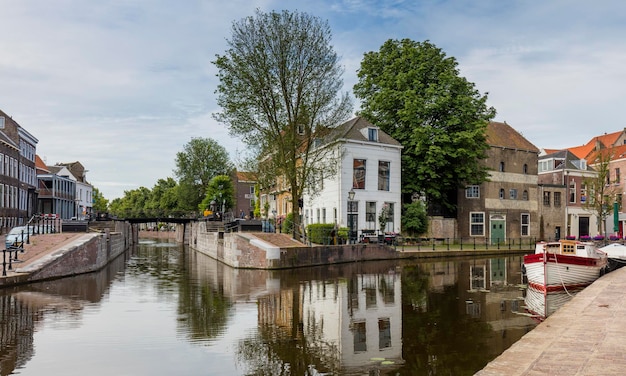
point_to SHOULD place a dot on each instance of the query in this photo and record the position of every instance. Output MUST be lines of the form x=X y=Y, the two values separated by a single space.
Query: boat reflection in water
x=541 y=304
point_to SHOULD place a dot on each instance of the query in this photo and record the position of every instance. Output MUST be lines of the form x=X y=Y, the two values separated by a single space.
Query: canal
x=161 y=309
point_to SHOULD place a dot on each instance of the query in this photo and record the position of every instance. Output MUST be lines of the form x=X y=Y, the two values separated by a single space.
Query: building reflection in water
x=22 y=309
x=374 y=318
x=344 y=324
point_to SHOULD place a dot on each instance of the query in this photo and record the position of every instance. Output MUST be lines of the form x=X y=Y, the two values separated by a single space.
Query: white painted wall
x=334 y=196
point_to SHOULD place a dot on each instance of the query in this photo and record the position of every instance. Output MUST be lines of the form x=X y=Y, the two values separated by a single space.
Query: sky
x=123 y=85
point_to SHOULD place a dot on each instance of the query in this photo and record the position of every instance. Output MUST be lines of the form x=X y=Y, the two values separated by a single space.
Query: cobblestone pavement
x=586 y=337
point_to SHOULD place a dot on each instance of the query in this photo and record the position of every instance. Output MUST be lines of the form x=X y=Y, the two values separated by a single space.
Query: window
x=360 y=336
x=617 y=176
x=557 y=199
x=323 y=215
x=525 y=195
x=473 y=191
x=477 y=224
x=358 y=178
x=501 y=193
x=384 y=333
x=370 y=211
x=372 y=134
x=546 y=198
x=572 y=192
x=525 y=169
x=383 y=176
x=513 y=194
x=525 y=230
x=501 y=167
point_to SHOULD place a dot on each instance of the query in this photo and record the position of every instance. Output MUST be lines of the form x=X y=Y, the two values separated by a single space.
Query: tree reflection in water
x=373 y=318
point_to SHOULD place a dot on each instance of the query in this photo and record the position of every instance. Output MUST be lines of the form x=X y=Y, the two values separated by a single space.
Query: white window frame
x=525 y=226
x=476 y=223
x=472 y=191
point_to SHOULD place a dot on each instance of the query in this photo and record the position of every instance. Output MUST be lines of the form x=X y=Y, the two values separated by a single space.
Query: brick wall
x=245 y=250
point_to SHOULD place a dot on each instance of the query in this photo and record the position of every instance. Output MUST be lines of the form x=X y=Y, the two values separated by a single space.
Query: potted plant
x=383 y=218
x=570 y=237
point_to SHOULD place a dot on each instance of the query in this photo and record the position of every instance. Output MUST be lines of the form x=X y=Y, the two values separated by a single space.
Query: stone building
x=504 y=208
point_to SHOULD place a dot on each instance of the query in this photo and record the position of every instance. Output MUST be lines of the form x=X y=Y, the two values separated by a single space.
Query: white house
x=369 y=165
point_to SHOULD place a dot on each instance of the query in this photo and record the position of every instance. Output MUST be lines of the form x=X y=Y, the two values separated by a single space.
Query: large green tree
x=200 y=161
x=221 y=190
x=414 y=92
x=100 y=204
x=279 y=90
x=164 y=198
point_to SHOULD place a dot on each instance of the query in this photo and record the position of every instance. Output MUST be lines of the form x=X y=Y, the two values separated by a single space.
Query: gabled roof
x=41 y=166
x=351 y=130
x=568 y=157
x=606 y=140
x=583 y=151
x=503 y=135
x=616 y=152
x=245 y=176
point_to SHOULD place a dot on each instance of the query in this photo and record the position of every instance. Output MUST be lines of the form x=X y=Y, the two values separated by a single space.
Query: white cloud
x=122 y=85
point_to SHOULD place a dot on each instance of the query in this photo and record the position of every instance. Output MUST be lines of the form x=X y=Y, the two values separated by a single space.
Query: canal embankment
x=585 y=337
x=57 y=255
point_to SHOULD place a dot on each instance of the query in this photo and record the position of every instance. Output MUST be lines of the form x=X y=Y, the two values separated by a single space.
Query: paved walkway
x=38 y=247
x=586 y=337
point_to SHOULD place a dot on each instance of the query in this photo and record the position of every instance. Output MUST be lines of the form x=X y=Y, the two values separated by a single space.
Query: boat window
x=569 y=248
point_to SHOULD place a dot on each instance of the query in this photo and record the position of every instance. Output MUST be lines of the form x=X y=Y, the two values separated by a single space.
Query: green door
x=497 y=229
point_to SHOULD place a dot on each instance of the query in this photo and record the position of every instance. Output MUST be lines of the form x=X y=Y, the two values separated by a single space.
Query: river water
x=161 y=309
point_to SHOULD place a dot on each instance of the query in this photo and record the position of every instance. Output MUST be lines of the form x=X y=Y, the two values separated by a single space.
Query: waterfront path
x=586 y=337
x=39 y=247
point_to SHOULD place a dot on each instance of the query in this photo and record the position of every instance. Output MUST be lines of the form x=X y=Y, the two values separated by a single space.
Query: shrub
x=320 y=233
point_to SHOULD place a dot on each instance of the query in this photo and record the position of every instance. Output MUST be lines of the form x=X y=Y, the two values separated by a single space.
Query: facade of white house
x=370 y=166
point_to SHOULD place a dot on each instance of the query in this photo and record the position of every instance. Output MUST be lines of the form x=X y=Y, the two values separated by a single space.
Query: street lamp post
x=351 y=235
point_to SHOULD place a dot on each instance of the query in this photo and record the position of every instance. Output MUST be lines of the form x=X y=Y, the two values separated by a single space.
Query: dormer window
x=372 y=134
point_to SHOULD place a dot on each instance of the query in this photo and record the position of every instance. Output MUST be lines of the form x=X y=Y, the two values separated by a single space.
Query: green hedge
x=321 y=233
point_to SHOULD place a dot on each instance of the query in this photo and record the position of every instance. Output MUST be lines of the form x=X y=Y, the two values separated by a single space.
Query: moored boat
x=616 y=255
x=563 y=265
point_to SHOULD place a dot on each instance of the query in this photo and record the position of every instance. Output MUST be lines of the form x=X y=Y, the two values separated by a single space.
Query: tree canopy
x=220 y=189
x=200 y=161
x=279 y=89
x=601 y=194
x=413 y=92
x=100 y=204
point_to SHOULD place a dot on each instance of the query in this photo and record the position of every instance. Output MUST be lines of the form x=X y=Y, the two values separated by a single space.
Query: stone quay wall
x=84 y=254
x=250 y=251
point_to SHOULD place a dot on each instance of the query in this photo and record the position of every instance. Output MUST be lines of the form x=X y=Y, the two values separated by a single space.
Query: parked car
x=17 y=234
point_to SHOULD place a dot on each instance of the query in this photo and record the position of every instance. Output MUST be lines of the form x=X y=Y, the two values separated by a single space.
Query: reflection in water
x=541 y=304
x=165 y=310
